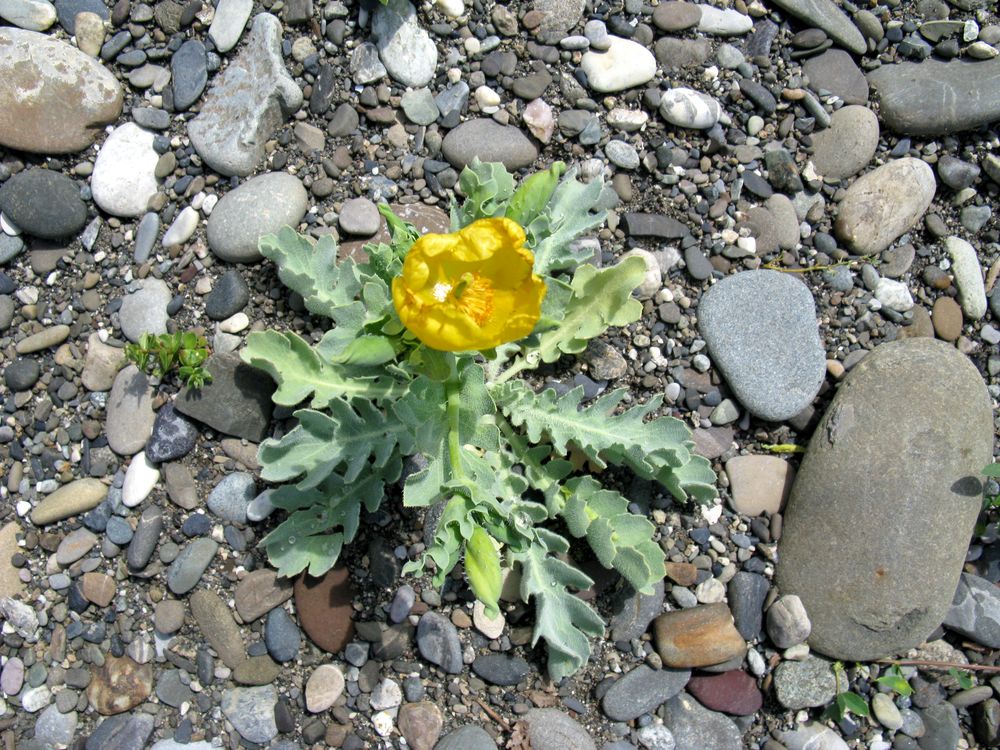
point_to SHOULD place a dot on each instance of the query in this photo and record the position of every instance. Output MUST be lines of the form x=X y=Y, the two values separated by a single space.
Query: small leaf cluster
x=488 y=454
x=186 y=351
x=848 y=702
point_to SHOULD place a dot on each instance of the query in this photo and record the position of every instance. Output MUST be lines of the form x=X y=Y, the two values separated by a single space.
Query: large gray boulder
x=880 y=515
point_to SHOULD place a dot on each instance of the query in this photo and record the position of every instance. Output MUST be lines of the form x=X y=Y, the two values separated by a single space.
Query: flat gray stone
x=804 y=684
x=406 y=49
x=883 y=204
x=551 y=729
x=55 y=99
x=975 y=611
x=145 y=310
x=642 y=691
x=250 y=100
x=902 y=446
x=121 y=732
x=935 y=98
x=231 y=17
x=186 y=569
x=760 y=327
x=251 y=712
x=33 y=15
x=824 y=14
x=942 y=730
x=123 y=180
x=469 y=737
x=695 y=727
x=490 y=141
x=260 y=206
x=130 y=414
x=43 y=203
x=835 y=71
x=231 y=496
x=848 y=145
x=237 y=402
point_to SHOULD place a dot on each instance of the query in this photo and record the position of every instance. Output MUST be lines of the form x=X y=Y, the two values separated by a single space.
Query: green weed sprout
x=185 y=351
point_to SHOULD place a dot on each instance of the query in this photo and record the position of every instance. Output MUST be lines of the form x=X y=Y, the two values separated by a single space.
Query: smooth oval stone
x=641 y=691
x=231 y=17
x=123 y=180
x=549 y=729
x=33 y=15
x=687 y=108
x=882 y=204
x=490 y=141
x=901 y=446
x=76 y=497
x=934 y=97
x=760 y=327
x=130 y=414
x=43 y=203
x=238 y=221
x=55 y=99
x=623 y=65
x=406 y=49
x=848 y=145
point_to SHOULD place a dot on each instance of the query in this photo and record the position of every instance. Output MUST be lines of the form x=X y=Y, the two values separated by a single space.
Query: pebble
x=641 y=691
x=746 y=593
x=101 y=365
x=886 y=712
x=694 y=726
x=140 y=479
x=438 y=643
x=804 y=684
x=469 y=737
x=723 y=21
x=119 y=685
x=687 y=108
x=489 y=141
x=71 y=499
x=182 y=228
x=405 y=48
x=420 y=724
x=231 y=496
x=173 y=436
x=236 y=223
x=359 y=216
x=147 y=534
x=759 y=484
x=123 y=181
x=260 y=592
x=21 y=374
x=812 y=736
x=419 y=106
x=229 y=295
x=168 y=616
x=130 y=416
x=894 y=295
x=847 y=146
x=188 y=73
x=975 y=610
x=282 y=636
x=323 y=606
x=227 y=26
x=145 y=310
x=623 y=65
x=946 y=316
x=324 y=686
x=826 y=15
x=734 y=692
x=43 y=203
x=698 y=637
x=187 y=568
x=787 y=622
x=251 y=712
x=501 y=669
x=550 y=729
x=76 y=95
x=32 y=15
x=968 y=277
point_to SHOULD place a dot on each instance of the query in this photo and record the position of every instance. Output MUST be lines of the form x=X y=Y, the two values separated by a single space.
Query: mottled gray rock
x=642 y=691
x=231 y=17
x=824 y=14
x=760 y=327
x=901 y=445
x=121 y=732
x=933 y=97
x=694 y=727
x=42 y=202
x=407 y=50
x=145 y=310
x=251 y=712
x=248 y=102
x=173 y=436
x=968 y=277
x=882 y=204
x=260 y=206
x=437 y=640
x=130 y=414
x=942 y=730
x=835 y=71
x=848 y=145
x=633 y=611
x=975 y=611
x=231 y=496
x=55 y=99
x=55 y=728
x=813 y=736
x=236 y=402
x=804 y=684
x=490 y=141
x=551 y=729
x=469 y=737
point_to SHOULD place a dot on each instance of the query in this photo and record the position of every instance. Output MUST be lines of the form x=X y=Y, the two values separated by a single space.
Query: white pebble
x=182 y=228
x=234 y=323
x=140 y=479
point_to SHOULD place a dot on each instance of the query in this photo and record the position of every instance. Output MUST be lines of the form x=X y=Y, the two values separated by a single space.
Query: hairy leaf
x=601 y=299
x=352 y=435
x=563 y=620
x=569 y=213
x=300 y=373
x=482 y=566
x=532 y=196
x=620 y=539
x=321 y=520
x=487 y=187
x=657 y=449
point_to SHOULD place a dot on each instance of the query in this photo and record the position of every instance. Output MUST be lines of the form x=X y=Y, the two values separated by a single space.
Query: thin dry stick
x=942 y=665
x=494 y=715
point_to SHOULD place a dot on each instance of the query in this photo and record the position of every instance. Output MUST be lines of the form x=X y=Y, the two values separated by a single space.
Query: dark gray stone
x=437 y=640
x=43 y=203
x=901 y=446
x=10 y=248
x=173 y=436
x=935 y=98
x=186 y=569
x=489 y=141
x=942 y=728
x=121 y=732
x=170 y=689
x=237 y=402
x=825 y=14
x=746 y=594
x=975 y=611
x=696 y=728
x=188 y=73
x=633 y=612
x=698 y=266
x=281 y=636
x=231 y=496
x=145 y=539
x=229 y=295
x=654 y=225
x=501 y=669
x=642 y=691
x=760 y=327
x=151 y=118
x=835 y=71
x=21 y=374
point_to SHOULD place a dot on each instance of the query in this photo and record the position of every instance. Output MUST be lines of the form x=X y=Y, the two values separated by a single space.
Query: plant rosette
x=428 y=338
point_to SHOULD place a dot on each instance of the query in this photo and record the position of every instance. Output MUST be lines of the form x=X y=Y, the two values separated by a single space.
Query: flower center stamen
x=474 y=296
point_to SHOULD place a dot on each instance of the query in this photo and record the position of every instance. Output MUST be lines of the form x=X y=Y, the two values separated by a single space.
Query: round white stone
x=624 y=65
x=140 y=479
x=687 y=108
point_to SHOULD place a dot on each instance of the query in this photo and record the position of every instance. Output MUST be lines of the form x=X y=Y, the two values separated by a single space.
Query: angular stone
x=420 y=723
x=975 y=611
x=55 y=100
x=98 y=588
x=78 y=496
x=633 y=612
x=121 y=732
x=102 y=364
x=249 y=101
x=324 y=608
x=877 y=588
x=251 y=712
x=259 y=593
x=933 y=97
x=759 y=484
x=695 y=727
x=698 y=637
x=882 y=204
x=642 y=691
x=760 y=327
x=237 y=402
x=119 y=685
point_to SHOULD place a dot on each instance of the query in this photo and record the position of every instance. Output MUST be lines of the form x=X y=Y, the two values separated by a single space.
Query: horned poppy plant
x=471 y=289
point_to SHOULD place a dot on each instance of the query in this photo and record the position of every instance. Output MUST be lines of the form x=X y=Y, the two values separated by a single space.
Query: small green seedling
x=845 y=701
x=964 y=679
x=895 y=681
x=185 y=351
x=993 y=472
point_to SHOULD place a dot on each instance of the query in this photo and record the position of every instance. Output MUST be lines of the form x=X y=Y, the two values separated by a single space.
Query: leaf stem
x=453 y=391
x=942 y=665
x=520 y=364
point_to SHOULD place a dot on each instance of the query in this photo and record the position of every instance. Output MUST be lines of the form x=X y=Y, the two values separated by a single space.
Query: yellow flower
x=471 y=289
